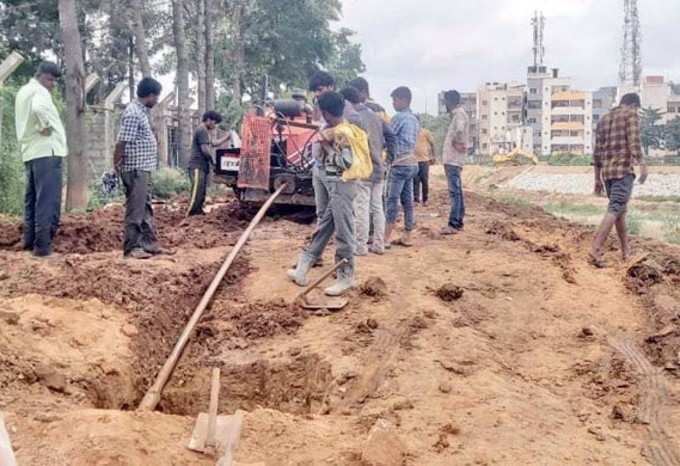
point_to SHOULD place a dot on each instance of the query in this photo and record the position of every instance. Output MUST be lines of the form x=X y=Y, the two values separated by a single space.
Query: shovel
x=333 y=304
x=213 y=433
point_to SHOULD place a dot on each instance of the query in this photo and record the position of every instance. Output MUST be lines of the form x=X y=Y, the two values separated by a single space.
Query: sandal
x=596 y=262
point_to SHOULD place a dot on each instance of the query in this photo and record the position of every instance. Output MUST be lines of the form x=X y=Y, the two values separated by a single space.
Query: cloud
x=431 y=45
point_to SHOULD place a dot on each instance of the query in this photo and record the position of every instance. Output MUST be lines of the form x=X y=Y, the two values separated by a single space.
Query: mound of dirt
x=266 y=319
x=502 y=230
x=374 y=287
x=102 y=230
x=644 y=274
x=449 y=292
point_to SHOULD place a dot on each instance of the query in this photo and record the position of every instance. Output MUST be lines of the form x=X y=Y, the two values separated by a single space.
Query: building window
x=484 y=117
x=532 y=121
x=533 y=91
x=485 y=103
x=484 y=131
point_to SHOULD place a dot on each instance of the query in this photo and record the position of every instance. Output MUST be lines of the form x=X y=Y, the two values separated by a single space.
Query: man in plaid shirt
x=135 y=157
x=617 y=151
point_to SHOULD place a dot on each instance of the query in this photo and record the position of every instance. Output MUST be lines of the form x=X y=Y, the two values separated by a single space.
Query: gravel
x=656 y=185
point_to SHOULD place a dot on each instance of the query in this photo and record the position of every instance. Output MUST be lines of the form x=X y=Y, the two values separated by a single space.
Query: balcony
x=568 y=111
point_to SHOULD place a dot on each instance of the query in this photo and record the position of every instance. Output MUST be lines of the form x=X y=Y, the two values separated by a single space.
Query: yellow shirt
x=425 y=146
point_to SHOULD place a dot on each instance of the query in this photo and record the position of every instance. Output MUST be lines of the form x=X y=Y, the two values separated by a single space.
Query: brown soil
x=527 y=356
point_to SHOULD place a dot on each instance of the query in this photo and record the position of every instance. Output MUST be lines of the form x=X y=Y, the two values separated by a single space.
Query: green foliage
x=568 y=159
x=660 y=198
x=652 y=135
x=672 y=135
x=345 y=63
x=438 y=125
x=11 y=167
x=672 y=229
x=567 y=209
x=169 y=182
x=634 y=222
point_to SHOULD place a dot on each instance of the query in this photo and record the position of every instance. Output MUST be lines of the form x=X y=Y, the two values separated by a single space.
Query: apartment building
x=561 y=118
x=500 y=114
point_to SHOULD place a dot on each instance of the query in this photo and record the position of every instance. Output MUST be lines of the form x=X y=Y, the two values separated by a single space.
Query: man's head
x=47 y=74
x=148 y=91
x=332 y=105
x=321 y=82
x=631 y=100
x=211 y=119
x=361 y=85
x=401 y=98
x=452 y=99
x=351 y=95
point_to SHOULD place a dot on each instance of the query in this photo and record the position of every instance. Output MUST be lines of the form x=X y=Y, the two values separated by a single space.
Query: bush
x=568 y=159
x=169 y=182
x=11 y=166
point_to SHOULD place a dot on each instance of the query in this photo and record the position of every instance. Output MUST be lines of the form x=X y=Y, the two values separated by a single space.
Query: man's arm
x=129 y=126
x=458 y=134
x=635 y=146
x=597 y=157
x=390 y=140
x=42 y=108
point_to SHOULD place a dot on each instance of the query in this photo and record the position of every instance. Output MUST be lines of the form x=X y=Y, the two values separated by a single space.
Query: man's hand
x=599 y=187
x=644 y=174
x=46 y=131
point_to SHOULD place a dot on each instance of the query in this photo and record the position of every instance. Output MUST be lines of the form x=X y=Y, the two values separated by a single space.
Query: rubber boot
x=299 y=274
x=343 y=283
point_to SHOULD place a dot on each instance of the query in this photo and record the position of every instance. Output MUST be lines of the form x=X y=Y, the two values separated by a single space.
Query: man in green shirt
x=42 y=141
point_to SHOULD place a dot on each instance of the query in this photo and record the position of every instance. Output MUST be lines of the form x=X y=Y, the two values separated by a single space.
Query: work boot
x=139 y=253
x=343 y=283
x=299 y=274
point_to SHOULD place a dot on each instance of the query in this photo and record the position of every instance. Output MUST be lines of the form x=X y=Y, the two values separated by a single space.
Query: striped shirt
x=618 y=147
x=141 y=148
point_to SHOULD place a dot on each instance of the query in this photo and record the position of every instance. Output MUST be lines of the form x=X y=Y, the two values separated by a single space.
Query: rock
x=445 y=387
x=129 y=330
x=3 y=275
x=46 y=417
x=402 y=404
x=374 y=287
x=10 y=318
x=597 y=433
x=450 y=293
x=383 y=447
x=51 y=379
x=587 y=332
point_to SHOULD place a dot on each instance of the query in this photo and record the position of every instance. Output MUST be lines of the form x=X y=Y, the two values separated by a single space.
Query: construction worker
x=362 y=86
x=617 y=150
x=134 y=158
x=344 y=158
x=454 y=152
x=369 y=202
x=42 y=142
x=404 y=167
x=202 y=159
x=426 y=156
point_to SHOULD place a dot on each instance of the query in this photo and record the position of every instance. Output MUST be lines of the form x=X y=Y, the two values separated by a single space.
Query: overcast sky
x=431 y=45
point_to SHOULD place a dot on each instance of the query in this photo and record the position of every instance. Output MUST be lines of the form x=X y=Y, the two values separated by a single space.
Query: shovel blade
x=332 y=304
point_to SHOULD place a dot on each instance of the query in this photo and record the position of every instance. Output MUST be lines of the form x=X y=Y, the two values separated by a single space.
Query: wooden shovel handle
x=321 y=279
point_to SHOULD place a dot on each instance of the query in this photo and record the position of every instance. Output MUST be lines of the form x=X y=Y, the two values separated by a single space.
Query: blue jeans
x=456 y=196
x=400 y=188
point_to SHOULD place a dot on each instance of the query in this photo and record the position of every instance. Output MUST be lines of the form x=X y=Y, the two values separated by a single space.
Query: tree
x=651 y=134
x=200 y=55
x=672 y=135
x=183 y=120
x=211 y=13
x=137 y=27
x=345 y=63
x=76 y=193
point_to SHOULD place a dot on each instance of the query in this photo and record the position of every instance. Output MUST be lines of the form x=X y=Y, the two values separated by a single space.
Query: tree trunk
x=137 y=23
x=183 y=116
x=201 y=56
x=76 y=192
x=210 y=96
x=131 y=68
x=239 y=52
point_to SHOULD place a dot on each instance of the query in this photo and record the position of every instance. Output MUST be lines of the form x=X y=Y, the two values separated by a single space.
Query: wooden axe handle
x=321 y=279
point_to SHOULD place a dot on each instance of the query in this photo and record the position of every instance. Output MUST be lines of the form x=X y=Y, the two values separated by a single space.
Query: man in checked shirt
x=617 y=151
x=135 y=157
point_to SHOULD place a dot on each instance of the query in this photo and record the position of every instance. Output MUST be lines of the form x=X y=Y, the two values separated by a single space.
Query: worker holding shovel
x=344 y=159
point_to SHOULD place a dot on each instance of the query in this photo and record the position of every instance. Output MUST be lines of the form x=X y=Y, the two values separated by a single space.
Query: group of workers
x=366 y=169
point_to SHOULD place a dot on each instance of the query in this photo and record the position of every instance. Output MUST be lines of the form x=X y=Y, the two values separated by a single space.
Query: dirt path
x=498 y=346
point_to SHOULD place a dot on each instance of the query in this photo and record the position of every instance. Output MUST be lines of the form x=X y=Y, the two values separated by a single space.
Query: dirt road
x=498 y=346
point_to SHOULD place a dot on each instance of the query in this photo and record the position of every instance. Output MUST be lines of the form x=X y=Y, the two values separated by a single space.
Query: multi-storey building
x=561 y=118
x=500 y=107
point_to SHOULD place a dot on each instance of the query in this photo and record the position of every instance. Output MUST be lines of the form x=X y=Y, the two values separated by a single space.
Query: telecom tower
x=538 y=22
x=630 y=72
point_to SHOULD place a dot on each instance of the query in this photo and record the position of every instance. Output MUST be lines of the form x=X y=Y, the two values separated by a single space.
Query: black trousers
x=199 y=187
x=422 y=178
x=140 y=232
x=42 y=204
